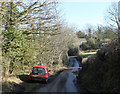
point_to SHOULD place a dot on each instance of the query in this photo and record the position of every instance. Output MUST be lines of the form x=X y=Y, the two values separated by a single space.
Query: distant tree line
x=96 y=36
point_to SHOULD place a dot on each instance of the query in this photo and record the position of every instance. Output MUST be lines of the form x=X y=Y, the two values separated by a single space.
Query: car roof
x=39 y=66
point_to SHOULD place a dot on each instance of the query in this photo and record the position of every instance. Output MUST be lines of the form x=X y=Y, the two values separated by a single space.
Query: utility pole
x=119 y=24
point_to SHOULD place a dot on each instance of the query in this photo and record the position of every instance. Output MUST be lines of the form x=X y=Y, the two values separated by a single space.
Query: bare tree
x=28 y=21
x=112 y=18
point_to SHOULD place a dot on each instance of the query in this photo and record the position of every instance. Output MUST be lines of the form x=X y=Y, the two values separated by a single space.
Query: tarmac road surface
x=65 y=81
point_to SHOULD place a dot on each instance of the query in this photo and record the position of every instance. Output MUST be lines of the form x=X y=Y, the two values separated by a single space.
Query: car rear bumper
x=37 y=78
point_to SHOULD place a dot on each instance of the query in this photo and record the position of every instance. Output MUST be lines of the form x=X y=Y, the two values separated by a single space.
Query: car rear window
x=38 y=71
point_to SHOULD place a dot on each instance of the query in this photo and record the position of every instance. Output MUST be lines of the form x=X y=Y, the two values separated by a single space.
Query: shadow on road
x=30 y=85
x=25 y=78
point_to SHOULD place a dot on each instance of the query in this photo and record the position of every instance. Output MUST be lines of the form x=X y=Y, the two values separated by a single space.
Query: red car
x=39 y=73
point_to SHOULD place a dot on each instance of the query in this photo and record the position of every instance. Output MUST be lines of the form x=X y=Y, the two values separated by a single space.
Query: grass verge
x=85 y=55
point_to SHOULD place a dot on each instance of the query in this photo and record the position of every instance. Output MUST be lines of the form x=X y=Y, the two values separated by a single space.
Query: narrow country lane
x=65 y=82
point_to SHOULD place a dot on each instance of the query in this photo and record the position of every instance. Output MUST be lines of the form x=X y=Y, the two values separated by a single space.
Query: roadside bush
x=73 y=51
x=88 y=46
x=101 y=72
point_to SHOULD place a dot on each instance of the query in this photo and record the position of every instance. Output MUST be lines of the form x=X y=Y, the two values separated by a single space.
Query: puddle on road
x=75 y=71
